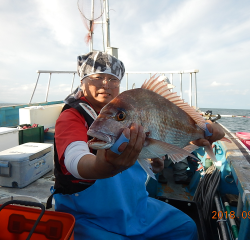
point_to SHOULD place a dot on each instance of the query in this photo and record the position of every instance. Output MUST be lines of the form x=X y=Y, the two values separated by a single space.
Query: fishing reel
x=217 y=117
x=208 y=115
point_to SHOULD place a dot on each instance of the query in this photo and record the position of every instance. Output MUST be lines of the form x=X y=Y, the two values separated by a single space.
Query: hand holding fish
x=107 y=163
x=169 y=123
x=216 y=130
x=217 y=134
x=130 y=151
x=157 y=164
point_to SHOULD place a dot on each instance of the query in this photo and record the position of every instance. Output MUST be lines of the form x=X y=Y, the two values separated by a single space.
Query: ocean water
x=9 y=104
x=234 y=124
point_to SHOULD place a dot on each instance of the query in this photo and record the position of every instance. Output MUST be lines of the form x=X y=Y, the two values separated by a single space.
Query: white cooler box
x=8 y=138
x=23 y=164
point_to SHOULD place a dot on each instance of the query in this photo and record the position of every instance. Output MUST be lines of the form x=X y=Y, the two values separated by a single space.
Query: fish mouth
x=100 y=140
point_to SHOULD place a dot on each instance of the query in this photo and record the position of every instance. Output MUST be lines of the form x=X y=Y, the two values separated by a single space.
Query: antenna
x=107 y=24
x=90 y=10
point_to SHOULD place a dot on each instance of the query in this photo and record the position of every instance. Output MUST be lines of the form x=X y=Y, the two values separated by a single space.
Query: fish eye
x=120 y=116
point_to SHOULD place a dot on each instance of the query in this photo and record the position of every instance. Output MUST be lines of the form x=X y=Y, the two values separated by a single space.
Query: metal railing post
x=195 y=90
x=46 y=99
x=72 y=83
x=171 y=80
x=34 y=88
x=181 y=85
x=190 y=90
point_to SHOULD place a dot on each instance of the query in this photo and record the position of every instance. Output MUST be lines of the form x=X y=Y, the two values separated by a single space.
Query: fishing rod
x=213 y=117
x=231 y=116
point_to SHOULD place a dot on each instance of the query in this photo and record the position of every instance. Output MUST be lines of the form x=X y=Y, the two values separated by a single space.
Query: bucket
x=245 y=138
x=22 y=222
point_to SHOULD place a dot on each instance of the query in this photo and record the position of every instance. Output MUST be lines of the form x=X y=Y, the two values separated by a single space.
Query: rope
x=88 y=19
x=205 y=192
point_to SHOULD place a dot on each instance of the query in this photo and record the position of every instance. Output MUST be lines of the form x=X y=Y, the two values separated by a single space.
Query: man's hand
x=158 y=164
x=217 y=132
x=107 y=163
x=130 y=151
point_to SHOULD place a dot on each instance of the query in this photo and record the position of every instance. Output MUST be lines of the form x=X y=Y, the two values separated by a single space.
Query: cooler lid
x=4 y=130
x=27 y=151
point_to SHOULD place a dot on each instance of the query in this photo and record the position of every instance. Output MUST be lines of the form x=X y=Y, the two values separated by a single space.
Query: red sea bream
x=170 y=124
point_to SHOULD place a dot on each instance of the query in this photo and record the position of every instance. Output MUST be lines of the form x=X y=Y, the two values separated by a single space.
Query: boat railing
x=49 y=81
x=192 y=73
x=127 y=74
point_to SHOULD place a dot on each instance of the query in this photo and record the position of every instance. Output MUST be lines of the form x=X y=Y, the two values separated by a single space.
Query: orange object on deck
x=17 y=222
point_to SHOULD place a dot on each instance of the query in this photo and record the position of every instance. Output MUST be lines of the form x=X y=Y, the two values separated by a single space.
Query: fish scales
x=170 y=124
x=162 y=119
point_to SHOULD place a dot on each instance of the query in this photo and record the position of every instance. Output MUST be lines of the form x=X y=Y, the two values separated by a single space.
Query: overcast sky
x=212 y=36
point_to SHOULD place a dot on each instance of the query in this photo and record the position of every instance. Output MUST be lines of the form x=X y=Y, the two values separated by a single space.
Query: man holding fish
x=105 y=189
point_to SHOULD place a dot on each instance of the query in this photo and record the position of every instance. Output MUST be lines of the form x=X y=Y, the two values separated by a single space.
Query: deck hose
x=205 y=192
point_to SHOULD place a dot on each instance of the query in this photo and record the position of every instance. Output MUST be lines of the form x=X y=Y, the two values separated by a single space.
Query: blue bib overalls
x=119 y=208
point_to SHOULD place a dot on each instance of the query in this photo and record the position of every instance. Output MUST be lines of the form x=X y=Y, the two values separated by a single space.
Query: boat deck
x=39 y=189
x=173 y=190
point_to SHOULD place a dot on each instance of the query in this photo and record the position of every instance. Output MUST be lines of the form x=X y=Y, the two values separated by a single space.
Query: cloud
x=216 y=84
x=211 y=36
x=55 y=16
x=233 y=92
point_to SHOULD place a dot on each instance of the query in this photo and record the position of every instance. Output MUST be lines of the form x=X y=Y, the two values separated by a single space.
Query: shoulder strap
x=77 y=106
x=63 y=183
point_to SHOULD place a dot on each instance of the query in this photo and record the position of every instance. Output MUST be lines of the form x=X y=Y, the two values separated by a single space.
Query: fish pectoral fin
x=147 y=167
x=210 y=152
x=91 y=112
x=175 y=153
x=190 y=148
x=177 y=157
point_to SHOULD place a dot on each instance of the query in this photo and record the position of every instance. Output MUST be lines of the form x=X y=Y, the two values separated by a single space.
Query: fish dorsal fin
x=161 y=88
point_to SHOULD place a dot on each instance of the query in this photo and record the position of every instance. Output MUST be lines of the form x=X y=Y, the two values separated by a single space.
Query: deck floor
x=173 y=190
x=39 y=189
